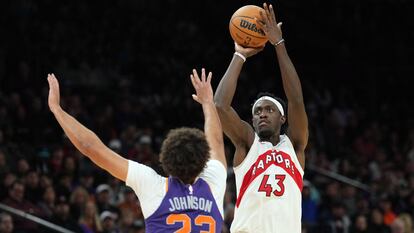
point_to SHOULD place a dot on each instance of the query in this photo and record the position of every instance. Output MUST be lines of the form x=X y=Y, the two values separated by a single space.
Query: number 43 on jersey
x=265 y=185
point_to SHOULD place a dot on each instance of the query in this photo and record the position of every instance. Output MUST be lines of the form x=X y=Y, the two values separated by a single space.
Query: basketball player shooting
x=268 y=164
x=191 y=198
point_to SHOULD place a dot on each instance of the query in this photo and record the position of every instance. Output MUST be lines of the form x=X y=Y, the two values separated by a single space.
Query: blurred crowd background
x=124 y=72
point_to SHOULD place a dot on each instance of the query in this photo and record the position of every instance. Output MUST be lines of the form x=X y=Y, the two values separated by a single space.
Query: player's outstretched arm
x=212 y=124
x=297 y=118
x=84 y=139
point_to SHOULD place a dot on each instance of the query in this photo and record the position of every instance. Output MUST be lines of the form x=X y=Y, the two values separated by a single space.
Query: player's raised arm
x=84 y=139
x=297 y=118
x=239 y=131
x=212 y=124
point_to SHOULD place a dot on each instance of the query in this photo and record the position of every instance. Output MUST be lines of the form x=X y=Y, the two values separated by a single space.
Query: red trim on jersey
x=265 y=160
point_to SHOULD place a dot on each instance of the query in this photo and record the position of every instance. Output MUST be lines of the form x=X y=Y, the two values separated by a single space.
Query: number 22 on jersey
x=185 y=220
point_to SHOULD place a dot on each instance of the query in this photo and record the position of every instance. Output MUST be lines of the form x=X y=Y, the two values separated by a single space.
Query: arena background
x=124 y=71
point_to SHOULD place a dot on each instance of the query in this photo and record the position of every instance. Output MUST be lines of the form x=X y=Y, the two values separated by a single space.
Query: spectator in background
x=126 y=221
x=8 y=179
x=138 y=226
x=349 y=198
x=33 y=187
x=340 y=221
x=6 y=223
x=309 y=207
x=131 y=204
x=78 y=200
x=16 y=200
x=64 y=185
x=329 y=197
x=108 y=220
x=360 y=225
x=377 y=222
x=103 y=196
x=47 y=203
x=89 y=219
x=45 y=181
x=386 y=207
x=397 y=226
x=62 y=216
x=408 y=222
x=23 y=167
x=70 y=167
x=56 y=162
x=4 y=166
x=87 y=181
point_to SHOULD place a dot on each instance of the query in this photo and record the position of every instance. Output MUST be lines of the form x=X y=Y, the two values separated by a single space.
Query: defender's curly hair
x=184 y=153
x=284 y=127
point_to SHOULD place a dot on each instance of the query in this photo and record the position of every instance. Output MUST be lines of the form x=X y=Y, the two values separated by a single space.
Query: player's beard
x=265 y=134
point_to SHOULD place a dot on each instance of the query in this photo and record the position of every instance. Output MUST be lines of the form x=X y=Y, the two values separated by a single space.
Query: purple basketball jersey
x=186 y=208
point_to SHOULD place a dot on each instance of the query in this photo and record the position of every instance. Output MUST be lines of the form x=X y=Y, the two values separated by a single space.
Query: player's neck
x=274 y=139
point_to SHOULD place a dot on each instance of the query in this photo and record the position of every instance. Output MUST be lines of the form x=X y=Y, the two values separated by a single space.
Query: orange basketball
x=243 y=27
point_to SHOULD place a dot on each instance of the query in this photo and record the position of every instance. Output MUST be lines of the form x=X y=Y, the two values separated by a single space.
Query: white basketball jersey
x=269 y=189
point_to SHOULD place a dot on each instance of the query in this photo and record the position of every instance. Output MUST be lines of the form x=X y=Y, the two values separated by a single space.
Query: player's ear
x=282 y=120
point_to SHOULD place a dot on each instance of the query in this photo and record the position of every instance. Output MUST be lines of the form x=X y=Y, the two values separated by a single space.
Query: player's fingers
x=266 y=8
x=264 y=17
x=259 y=21
x=279 y=25
x=260 y=48
x=261 y=24
x=272 y=13
x=236 y=46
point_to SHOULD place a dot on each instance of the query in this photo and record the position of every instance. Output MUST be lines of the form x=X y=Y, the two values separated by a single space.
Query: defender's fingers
x=195 y=74
x=210 y=75
x=54 y=81
x=203 y=75
x=195 y=98
x=193 y=81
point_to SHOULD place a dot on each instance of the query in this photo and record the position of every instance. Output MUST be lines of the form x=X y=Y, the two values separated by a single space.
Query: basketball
x=244 y=29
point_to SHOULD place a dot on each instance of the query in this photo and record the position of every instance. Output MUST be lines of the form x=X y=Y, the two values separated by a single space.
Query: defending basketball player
x=191 y=198
x=268 y=164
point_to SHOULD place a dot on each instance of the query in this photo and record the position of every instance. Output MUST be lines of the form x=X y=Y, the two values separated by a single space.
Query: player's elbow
x=220 y=101
x=222 y=108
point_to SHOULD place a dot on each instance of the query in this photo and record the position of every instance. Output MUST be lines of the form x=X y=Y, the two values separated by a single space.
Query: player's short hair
x=184 y=153
x=283 y=128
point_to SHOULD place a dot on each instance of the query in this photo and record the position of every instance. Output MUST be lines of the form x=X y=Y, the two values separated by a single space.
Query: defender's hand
x=54 y=93
x=204 y=91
